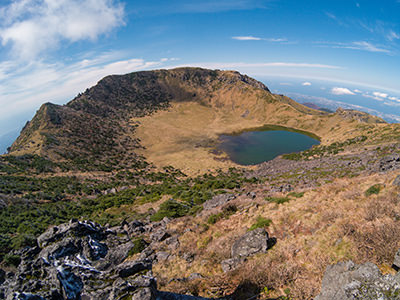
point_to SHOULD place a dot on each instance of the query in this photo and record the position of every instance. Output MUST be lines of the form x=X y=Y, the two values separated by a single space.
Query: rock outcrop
x=83 y=260
x=349 y=281
x=252 y=242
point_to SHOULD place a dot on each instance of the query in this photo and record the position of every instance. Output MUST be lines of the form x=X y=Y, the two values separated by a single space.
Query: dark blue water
x=254 y=147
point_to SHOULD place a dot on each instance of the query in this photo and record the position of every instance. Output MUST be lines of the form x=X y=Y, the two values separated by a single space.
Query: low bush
x=225 y=213
x=278 y=200
x=139 y=245
x=261 y=222
x=296 y=195
x=375 y=189
x=170 y=209
x=12 y=260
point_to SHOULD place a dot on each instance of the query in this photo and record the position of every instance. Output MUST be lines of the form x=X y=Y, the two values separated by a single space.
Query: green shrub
x=296 y=195
x=213 y=218
x=261 y=222
x=278 y=200
x=139 y=245
x=170 y=209
x=375 y=189
x=225 y=213
x=12 y=260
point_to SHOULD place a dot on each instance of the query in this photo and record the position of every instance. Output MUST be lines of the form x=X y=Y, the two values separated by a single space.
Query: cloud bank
x=30 y=27
x=341 y=91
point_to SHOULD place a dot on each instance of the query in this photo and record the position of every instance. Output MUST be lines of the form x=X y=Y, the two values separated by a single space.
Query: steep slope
x=103 y=126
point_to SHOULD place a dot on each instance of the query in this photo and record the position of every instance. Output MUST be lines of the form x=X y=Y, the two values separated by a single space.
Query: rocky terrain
x=121 y=194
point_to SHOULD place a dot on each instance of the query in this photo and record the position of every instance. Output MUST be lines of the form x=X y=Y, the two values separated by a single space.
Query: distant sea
x=331 y=95
x=7 y=139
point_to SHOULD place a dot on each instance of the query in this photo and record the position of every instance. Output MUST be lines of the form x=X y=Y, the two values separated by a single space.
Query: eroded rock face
x=84 y=261
x=348 y=281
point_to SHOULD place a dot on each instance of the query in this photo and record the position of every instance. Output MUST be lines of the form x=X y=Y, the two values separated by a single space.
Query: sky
x=332 y=52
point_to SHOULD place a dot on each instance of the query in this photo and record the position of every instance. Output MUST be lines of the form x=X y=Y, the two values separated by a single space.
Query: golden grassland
x=332 y=223
x=185 y=135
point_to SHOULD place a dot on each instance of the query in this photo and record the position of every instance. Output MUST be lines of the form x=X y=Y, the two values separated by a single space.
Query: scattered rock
x=250 y=243
x=162 y=256
x=189 y=257
x=172 y=242
x=195 y=276
x=390 y=162
x=252 y=195
x=346 y=280
x=160 y=235
x=230 y=264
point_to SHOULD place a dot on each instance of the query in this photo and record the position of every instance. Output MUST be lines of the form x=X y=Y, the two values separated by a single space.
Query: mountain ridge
x=98 y=122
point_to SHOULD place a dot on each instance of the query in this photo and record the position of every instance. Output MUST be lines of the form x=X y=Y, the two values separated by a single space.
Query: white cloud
x=306 y=83
x=394 y=99
x=392 y=35
x=236 y=65
x=358 y=45
x=255 y=38
x=28 y=86
x=246 y=38
x=341 y=91
x=276 y=40
x=31 y=27
x=357 y=91
x=380 y=95
x=366 y=46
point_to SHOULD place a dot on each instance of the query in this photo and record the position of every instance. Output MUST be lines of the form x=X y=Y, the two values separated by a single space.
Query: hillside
x=121 y=194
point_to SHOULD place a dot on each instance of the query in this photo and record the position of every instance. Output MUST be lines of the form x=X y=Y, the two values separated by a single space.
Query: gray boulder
x=218 y=200
x=250 y=243
x=348 y=281
x=130 y=268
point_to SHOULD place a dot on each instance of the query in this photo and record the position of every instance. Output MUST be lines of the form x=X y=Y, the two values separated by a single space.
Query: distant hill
x=314 y=106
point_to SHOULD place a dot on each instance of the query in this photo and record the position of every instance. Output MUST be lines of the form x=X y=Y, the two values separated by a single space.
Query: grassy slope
x=332 y=223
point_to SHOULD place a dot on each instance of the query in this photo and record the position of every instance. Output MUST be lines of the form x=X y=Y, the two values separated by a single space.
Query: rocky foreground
x=83 y=260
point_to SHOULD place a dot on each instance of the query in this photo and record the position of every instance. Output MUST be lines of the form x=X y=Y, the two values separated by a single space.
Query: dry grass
x=332 y=223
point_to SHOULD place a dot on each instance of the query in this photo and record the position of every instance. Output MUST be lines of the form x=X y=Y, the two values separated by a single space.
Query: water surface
x=262 y=144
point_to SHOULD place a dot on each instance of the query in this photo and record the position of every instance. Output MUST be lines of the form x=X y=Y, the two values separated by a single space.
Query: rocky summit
x=123 y=193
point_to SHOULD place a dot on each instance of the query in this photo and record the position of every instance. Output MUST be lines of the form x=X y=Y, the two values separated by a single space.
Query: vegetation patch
x=139 y=245
x=277 y=200
x=261 y=222
x=224 y=214
x=374 y=190
x=296 y=195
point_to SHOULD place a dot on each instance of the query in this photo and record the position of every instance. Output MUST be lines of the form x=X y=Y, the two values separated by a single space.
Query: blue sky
x=342 y=51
